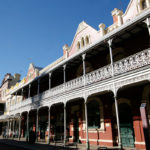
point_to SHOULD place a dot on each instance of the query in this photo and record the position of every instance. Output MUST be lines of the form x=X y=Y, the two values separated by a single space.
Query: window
x=144 y=4
x=78 y=45
x=87 y=40
x=93 y=114
x=82 y=42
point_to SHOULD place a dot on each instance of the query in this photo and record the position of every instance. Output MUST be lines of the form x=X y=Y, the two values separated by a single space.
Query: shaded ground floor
x=92 y=122
x=10 y=147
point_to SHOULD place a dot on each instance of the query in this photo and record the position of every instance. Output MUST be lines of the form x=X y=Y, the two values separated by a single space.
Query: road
x=10 y=147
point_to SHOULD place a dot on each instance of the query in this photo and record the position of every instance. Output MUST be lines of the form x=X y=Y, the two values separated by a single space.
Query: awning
x=3 y=117
x=7 y=117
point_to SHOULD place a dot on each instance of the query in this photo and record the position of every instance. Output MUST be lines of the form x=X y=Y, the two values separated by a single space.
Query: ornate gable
x=84 y=36
x=81 y=27
x=134 y=8
x=32 y=72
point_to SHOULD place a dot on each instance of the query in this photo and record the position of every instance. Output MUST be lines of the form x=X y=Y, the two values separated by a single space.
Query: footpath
x=43 y=146
x=52 y=146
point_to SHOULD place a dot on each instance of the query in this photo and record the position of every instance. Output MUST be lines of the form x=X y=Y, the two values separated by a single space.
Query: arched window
x=93 y=114
x=144 y=4
x=87 y=40
x=82 y=42
x=78 y=45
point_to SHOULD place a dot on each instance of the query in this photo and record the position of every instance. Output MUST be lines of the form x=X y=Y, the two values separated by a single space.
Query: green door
x=126 y=125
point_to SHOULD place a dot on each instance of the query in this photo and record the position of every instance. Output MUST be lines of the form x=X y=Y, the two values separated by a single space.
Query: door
x=126 y=125
x=76 y=129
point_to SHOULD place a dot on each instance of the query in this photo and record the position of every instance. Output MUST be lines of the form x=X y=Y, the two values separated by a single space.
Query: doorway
x=76 y=128
x=126 y=125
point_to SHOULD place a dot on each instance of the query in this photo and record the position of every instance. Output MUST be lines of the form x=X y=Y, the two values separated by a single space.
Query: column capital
x=64 y=67
x=65 y=105
x=83 y=56
x=110 y=42
x=115 y=96
x=50 y=74
x=148 y=22
x=85 y=99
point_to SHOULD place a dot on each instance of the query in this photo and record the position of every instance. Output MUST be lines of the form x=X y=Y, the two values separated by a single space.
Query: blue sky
x=35 y=30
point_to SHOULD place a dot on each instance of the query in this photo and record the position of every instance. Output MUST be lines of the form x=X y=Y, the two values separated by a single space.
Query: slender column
x=19 y=133
x=37 y=125
x=22 y=93
x=50 y=74
x=118 y=122
x=27 y=138
x=84 y=67
x=64 y=68
x=64 y=124
x=8 y=129
x=49 y=125
x=111 y=56
x=86 y=121
x=29 y=90
x=13 y=128
x=16 y=99
x=83 y=60
x=10 y=126
x=86 y=116
x=148 y=24
x=38 y=88
x=115 y=93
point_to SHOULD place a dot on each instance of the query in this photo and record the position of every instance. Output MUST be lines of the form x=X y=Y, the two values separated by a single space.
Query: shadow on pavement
x=35 y=146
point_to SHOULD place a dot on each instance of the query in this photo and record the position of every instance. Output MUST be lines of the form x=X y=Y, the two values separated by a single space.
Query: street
x=10 y=147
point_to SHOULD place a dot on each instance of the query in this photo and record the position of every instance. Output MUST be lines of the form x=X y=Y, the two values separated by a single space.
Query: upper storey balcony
x=128 y=66
x=96 y=68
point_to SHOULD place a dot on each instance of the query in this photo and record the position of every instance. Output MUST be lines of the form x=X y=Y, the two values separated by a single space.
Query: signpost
x=145 y=124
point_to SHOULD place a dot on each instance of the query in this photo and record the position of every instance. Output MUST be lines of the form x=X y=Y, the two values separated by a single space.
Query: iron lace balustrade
x=98 y=75
x=133 y=62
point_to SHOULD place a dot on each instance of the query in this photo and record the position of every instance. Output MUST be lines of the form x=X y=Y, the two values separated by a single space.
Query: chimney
x=117 y=16
x=102 y=29
x=17 y=76
x=65 y=50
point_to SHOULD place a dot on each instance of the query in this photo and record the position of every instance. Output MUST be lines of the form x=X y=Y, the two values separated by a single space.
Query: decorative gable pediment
x=81 y=27
x=84 y=36
x=134 y=8
x=32 y=72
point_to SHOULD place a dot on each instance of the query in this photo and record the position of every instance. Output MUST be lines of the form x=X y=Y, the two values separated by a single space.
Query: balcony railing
x=130 y=63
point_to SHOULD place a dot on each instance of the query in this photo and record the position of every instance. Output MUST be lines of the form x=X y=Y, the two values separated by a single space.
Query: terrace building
x=93 y=93
x=6 y=99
